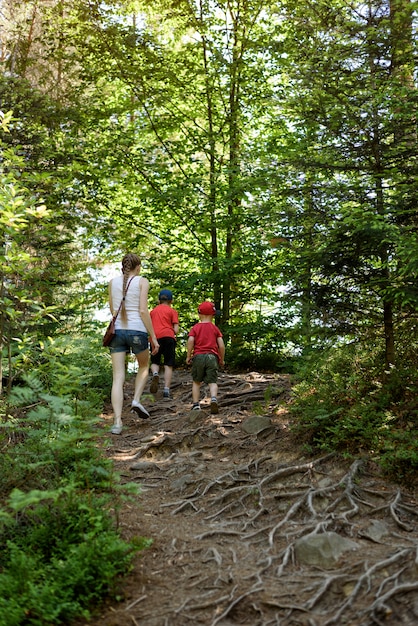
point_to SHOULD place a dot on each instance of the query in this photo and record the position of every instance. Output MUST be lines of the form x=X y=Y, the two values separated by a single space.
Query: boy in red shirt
x=206 y=351
x=165 y=321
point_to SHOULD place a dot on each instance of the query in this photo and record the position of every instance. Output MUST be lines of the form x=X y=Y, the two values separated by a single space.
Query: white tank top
x=133 y=318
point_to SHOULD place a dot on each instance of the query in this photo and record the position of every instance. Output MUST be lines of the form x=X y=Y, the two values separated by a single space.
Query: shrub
x=344 y=401
x=60 y=549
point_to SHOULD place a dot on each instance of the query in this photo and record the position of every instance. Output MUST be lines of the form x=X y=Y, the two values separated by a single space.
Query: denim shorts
x=129 y=340
x=205 y=368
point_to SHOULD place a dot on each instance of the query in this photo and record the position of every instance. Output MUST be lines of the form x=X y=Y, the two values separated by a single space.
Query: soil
x=226 y=499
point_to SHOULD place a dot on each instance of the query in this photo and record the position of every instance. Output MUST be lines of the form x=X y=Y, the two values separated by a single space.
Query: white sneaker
x=140 y=410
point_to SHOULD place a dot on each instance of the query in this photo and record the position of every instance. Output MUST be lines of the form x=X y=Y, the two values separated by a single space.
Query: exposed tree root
x=233 y=507
x=241 y=504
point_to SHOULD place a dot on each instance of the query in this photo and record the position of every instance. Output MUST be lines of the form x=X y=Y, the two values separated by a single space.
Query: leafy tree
x=351 y=192
x=249 y=150
x=183 y=139
x=21 y=311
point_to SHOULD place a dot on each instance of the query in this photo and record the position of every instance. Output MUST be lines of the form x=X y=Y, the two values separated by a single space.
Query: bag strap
x=123 y=298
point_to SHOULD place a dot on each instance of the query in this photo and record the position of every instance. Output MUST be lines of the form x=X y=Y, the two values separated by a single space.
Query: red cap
x=207 y=308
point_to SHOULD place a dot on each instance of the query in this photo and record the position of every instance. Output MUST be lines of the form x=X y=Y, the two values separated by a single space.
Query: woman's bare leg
x=119 y=368
x=142 y=374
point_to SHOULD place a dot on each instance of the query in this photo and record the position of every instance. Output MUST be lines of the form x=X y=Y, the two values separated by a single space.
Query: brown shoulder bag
x=110 y=330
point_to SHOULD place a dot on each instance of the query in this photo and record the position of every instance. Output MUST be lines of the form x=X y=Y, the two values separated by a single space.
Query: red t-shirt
x=205 y=338
x=163 y=318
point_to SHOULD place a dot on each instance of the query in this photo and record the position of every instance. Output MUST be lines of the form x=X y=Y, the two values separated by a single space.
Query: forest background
x=262 y=155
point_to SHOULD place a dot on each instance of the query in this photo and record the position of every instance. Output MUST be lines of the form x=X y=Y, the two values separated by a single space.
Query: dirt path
x=228 y=499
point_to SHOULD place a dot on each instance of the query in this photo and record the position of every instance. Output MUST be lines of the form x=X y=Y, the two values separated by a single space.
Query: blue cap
x=165 y=294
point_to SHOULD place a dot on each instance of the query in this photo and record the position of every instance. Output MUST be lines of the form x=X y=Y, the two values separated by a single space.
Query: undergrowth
x=344 y=401
x=60 y=549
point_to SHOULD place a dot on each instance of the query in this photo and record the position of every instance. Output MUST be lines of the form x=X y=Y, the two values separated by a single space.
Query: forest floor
x=229 y=501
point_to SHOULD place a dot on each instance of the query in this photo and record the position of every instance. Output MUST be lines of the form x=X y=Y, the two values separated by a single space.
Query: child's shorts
x=127 y=340
x=205 y=368
x=167 y=351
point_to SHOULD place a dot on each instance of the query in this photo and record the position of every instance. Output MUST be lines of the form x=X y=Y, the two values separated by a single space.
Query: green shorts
x=205 y=368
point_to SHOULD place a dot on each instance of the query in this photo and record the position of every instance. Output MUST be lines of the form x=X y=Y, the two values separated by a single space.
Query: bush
x=344 y=401
x=60 y=549
x=246 y=359
x=399 y=455
x=40 y=590
x=75 y=368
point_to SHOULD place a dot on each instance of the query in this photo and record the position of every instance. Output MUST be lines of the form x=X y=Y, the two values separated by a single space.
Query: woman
x=133 y=325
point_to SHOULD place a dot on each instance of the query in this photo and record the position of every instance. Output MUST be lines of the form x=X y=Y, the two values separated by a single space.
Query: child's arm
x=221 y=351
x=175 y=322
x=190 y=349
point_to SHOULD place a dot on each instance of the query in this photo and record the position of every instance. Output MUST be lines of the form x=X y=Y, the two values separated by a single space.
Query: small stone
x=181 y=483
x=256 y=424
x=376 y=531
x=144 y=466
x=323 y=549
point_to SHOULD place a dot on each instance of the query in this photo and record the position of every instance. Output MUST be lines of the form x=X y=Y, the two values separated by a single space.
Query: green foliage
x=277 y=163
x=344 y=401
x=246 y=358
x=40 y=267
x=399 y=455
x=276 y=157
x=61 y=551
x=39 y=590
x=66 y=366
x=262 y=408
x=259 y=342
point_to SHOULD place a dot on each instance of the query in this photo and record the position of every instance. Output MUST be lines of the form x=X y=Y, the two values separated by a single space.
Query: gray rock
x=375 y=531
x=180 y=483
x=256 y=424
x=194 y=416
x=325 y=482
x=322 y=550
x=144 y=466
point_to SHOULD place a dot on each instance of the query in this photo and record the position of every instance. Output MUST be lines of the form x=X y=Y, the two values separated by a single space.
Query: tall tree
x=200 y=133
x=343 y=92
x=193 y=124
